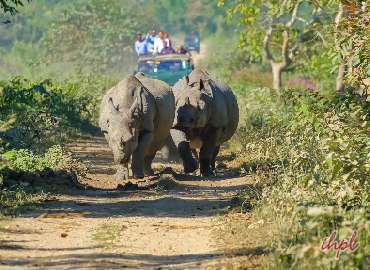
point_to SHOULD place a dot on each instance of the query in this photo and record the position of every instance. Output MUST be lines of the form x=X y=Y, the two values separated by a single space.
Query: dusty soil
x=173 y=223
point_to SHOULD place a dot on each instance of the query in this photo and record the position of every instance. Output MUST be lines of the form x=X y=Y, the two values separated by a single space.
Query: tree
x=10 y=6
x=352 y=40
x=97 y=34
x=186 y=15
x=277 y=30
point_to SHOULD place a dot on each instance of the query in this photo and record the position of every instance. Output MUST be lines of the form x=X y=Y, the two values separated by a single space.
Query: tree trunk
x=340 y=78
x=342 y=66
x=277 y=70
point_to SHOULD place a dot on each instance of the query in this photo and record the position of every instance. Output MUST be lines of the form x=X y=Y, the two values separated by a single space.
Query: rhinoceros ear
x=113 y=109
x=201 y=85
x=205 y=87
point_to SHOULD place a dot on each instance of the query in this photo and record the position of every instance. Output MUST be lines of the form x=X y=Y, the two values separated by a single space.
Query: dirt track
x=173 y=224
x=173 y=227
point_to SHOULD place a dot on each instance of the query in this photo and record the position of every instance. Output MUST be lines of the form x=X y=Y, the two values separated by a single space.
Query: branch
x=285 y=52
x=10 y=6
x=337 y=20
x=266 y=44
x=290 y=23
x=282 y=6
x=306 y=24
x=321 y=36
x=285 y=48
x=339 y=15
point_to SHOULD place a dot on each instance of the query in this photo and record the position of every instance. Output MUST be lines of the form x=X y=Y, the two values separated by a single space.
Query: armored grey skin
x=207 y=115
x=136 y=116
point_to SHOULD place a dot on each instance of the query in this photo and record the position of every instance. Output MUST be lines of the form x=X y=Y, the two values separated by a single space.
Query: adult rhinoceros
x=136 y=116
x=207 y=115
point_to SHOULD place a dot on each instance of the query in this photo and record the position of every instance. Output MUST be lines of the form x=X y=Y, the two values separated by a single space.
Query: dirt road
x=172 y=225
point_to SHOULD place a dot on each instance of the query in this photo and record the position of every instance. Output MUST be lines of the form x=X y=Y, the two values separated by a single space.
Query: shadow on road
x=121 y=261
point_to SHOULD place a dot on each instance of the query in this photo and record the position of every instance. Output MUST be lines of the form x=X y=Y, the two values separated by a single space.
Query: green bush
x=15 y=199
x=313 y=153
x=36 y=115
x=25 y=160
x=36 y=119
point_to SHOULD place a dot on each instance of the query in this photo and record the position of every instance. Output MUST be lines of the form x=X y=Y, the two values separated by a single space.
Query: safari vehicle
x=192 y=42
x=167 y=67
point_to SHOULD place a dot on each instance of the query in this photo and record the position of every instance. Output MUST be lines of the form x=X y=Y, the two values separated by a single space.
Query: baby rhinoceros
x=136 y=116
x=207 y=115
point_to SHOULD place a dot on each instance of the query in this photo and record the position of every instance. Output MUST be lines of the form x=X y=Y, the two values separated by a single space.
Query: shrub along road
x=170 y=223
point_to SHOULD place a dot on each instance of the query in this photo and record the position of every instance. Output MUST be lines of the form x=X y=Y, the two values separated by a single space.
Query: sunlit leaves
x=354 y=47
x=10 y=6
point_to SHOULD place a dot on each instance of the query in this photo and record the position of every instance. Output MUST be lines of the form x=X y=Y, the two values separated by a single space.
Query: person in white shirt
x=159 y=43
x=167 y=44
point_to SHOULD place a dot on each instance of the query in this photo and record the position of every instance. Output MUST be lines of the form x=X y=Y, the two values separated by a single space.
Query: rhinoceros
x=136 y=116
x=207 y=115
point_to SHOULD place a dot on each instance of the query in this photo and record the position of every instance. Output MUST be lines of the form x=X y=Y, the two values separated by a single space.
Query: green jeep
x=167 y=67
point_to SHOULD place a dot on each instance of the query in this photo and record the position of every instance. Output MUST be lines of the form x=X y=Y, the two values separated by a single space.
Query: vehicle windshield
x=151 y=66
x=191 y=39
x=169 y=70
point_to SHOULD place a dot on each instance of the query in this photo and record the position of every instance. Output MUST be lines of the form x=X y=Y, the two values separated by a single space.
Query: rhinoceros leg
x=122 y=172
x=148 y=171
x=208 y=152
x=189 y=162
x=213 y=160
x=137 y=163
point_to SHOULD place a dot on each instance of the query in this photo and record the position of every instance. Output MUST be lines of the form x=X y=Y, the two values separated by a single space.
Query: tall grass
x=311 y=154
